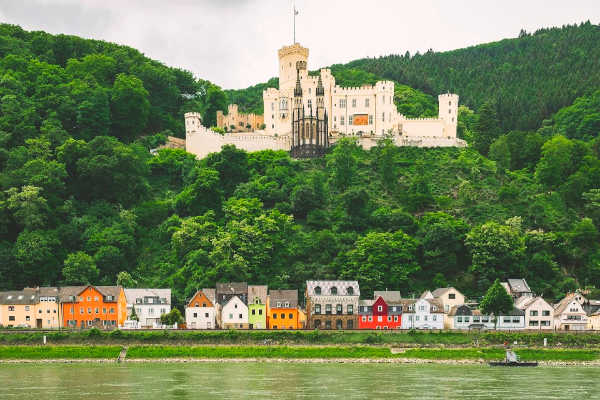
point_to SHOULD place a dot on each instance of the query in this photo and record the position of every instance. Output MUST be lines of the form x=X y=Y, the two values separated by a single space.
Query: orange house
x=103 y=307
x=282 y=310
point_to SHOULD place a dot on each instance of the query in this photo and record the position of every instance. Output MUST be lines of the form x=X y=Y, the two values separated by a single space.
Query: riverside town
x=325 y=305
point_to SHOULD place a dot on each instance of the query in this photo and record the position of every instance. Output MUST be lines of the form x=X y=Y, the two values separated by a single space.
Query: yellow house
x=17 y=308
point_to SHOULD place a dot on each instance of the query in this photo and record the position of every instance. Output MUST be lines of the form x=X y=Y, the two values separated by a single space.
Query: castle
x=236 y=121
x=367 y=112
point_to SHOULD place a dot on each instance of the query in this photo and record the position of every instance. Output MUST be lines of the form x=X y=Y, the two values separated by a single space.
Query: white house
x=234 y=314
x=149 y=305
x=422 y=314
x=538 y=313
x=464 y=318
x=200 y=311
x=569 y=314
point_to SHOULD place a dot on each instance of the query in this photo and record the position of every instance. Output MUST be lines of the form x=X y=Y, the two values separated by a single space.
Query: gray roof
x=441 y=291
x=68 y=291
x=132 y=294
x=283 y=296
x=326 y=286
x=518 y=286
x=211 y=293
x=18 y=297
x=259 y=291
x=389 y=296
x=232 y=287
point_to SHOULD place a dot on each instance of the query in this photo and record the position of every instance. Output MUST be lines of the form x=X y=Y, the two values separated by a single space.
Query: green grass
x=490 y=354
x=58 y=352
x=286 y=352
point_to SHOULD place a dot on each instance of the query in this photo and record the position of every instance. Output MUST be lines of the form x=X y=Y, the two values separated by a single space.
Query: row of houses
x=328 y=305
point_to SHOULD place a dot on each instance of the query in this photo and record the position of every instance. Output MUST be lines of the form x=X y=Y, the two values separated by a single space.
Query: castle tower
x=193 y=122
x=289 y=56
x=448 y=112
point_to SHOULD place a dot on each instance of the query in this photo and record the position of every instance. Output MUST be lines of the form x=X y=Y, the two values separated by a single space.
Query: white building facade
x=149 y=305
x=423 y=314
x=538 y=313
x=234 y=314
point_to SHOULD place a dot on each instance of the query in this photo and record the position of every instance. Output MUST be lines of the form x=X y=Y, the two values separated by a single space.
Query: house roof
x=283 y=296
x=426 y=294
x=367 y=303
x=211 y=293
x=49 y=291
x=518 y=285
x=564 y=303
x=231 y=287
x=68 y=291
x=389 y=296
x=524 y=302
x=326 y=286
x=132 y=294
x=438 y=305
x=17 y=297
x=232 y=299
x=441 y=291
x=259 y=291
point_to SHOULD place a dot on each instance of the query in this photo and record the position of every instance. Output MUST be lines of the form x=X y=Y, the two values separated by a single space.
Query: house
x=257 y=306
x=283 y=310
x=225 y=291
x=538 y=313
x=17 y=308
x=149 y=305
x=90 y=306
x=422 y=314
x=332 y=304
x=201 y=311
x=463 y=317
x=517 y=288
x=569 y=314
x=234 y=314
x=449 y=297
x=384 y=312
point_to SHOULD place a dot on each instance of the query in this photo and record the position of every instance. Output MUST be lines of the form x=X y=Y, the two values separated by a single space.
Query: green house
x=257 y=306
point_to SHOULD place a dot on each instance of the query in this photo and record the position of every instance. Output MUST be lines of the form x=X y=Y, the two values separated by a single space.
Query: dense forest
x=82 y=200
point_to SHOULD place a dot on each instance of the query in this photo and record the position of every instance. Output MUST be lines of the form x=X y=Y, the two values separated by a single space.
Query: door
x=38 y=323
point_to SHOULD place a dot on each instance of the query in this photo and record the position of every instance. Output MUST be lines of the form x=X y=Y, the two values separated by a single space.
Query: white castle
x=367 y=112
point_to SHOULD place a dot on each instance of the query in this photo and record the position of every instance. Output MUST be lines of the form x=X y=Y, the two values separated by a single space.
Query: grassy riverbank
x=390 y=338
x=58 y=352
x=489 y=354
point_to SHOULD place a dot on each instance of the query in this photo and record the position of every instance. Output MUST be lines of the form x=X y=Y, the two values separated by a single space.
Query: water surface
x=293 y=381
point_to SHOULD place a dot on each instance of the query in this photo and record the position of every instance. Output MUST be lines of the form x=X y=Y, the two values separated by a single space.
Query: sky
x=234 y=43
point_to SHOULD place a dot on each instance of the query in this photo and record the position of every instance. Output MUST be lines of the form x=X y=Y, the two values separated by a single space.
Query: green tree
x=80 y=269
x=487 y=128
x=124 y=279
x=232 y=165
x=129 y=107
x=556 y=163
x=28 y=206
x=342 y=162
x=496 y=301
x=172 y=317
x=203 y=195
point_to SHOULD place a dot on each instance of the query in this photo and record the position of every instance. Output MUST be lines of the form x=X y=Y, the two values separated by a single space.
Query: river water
x=294 y=381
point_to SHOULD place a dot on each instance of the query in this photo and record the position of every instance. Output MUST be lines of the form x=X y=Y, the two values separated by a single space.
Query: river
x=293 y=381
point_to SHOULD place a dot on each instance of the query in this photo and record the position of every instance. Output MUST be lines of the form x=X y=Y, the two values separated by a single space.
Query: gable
x=200 y=298
x=231 y=305
x=380 y=302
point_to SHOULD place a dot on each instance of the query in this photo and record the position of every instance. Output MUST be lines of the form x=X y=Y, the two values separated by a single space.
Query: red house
x=379 y=313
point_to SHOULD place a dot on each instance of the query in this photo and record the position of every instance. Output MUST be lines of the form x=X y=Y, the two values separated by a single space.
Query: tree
x=496 y=301
x=129 y=107
x=134 y=316
x=232 y=164
x=172 y=317
x=487 y=128
x=556 y=163
x=28 y=206
x=203 y=195
x=124 y=279
x=80 y=269
x=342 y=162
x=213 y=100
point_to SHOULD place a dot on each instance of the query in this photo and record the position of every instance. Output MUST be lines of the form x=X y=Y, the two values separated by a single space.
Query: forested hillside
x=528 y=78
x=82 y=200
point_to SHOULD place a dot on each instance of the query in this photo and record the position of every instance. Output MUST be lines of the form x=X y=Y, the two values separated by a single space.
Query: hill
x=82 y=200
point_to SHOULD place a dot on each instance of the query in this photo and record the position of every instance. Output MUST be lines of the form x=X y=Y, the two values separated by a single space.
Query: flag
x=295 y=11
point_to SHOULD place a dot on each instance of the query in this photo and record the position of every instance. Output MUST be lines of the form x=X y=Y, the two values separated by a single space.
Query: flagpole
x=294 y=11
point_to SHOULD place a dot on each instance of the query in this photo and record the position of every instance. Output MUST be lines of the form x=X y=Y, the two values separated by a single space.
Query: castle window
x=333 y=290
x=366 y=102
x=342 y=122
x=370 y=120
x=272 y=106
x=318 y=290
x=309 y=103
x=309 y=91
x=350 y=291
x=449 y=111
x=449 y=103
x=343 y=103
x=353 y=102
x=383 y=117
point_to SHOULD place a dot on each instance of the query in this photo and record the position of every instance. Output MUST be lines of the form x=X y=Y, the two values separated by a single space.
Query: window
x=72 y=310
x=451 y=296
x=89 y=298
x=97 y=310
x=317 y=309
x=342 y=120
x=26 y=308
x=370 y=318
x=253 y=312
x=383 y=117
x=353 y=102
x=350 y=291
x=364 y=318
x=104 y=311
x=309 y=103
x=291 y=316
x=533 y=323
x=205 y=315
x=333 y=290
x=476 y=319
x=485 y=319
x=338 y=324
x=282 y=315
x=545 y=323
x=260 y=312
x=389 y=318
x=417 y=318
x=274 y=315
x=318 y=290
x=327 y=308
x=380 y=308
x=203 y=304
x=545 y=313
x=112 y=310
x=338 y=309
x=11 y=308
x=89 y=310
x=272 y=106
x=342 y=103
x=81 y=310
x=516 y=320
x=367 y=102
x=11 y=318
x=379 y=318
x=370 y=119
x=458 y=319
x=506 y=320
x=395 y=318
x=27 y=318
x=350 y=309
x=275 y=326
x=195 y=315
x=350 y=324
x=287 y=304
x=533 y=313
x=425 y=318
x=235 y=306
x=327 y=324
x=240 y=316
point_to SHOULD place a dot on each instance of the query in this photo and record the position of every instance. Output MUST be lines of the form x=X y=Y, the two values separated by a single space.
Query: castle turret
x=193 y=122
x=448 y=109
x=289 y=56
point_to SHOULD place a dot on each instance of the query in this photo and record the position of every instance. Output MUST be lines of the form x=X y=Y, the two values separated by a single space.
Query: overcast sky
x=234 y=43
